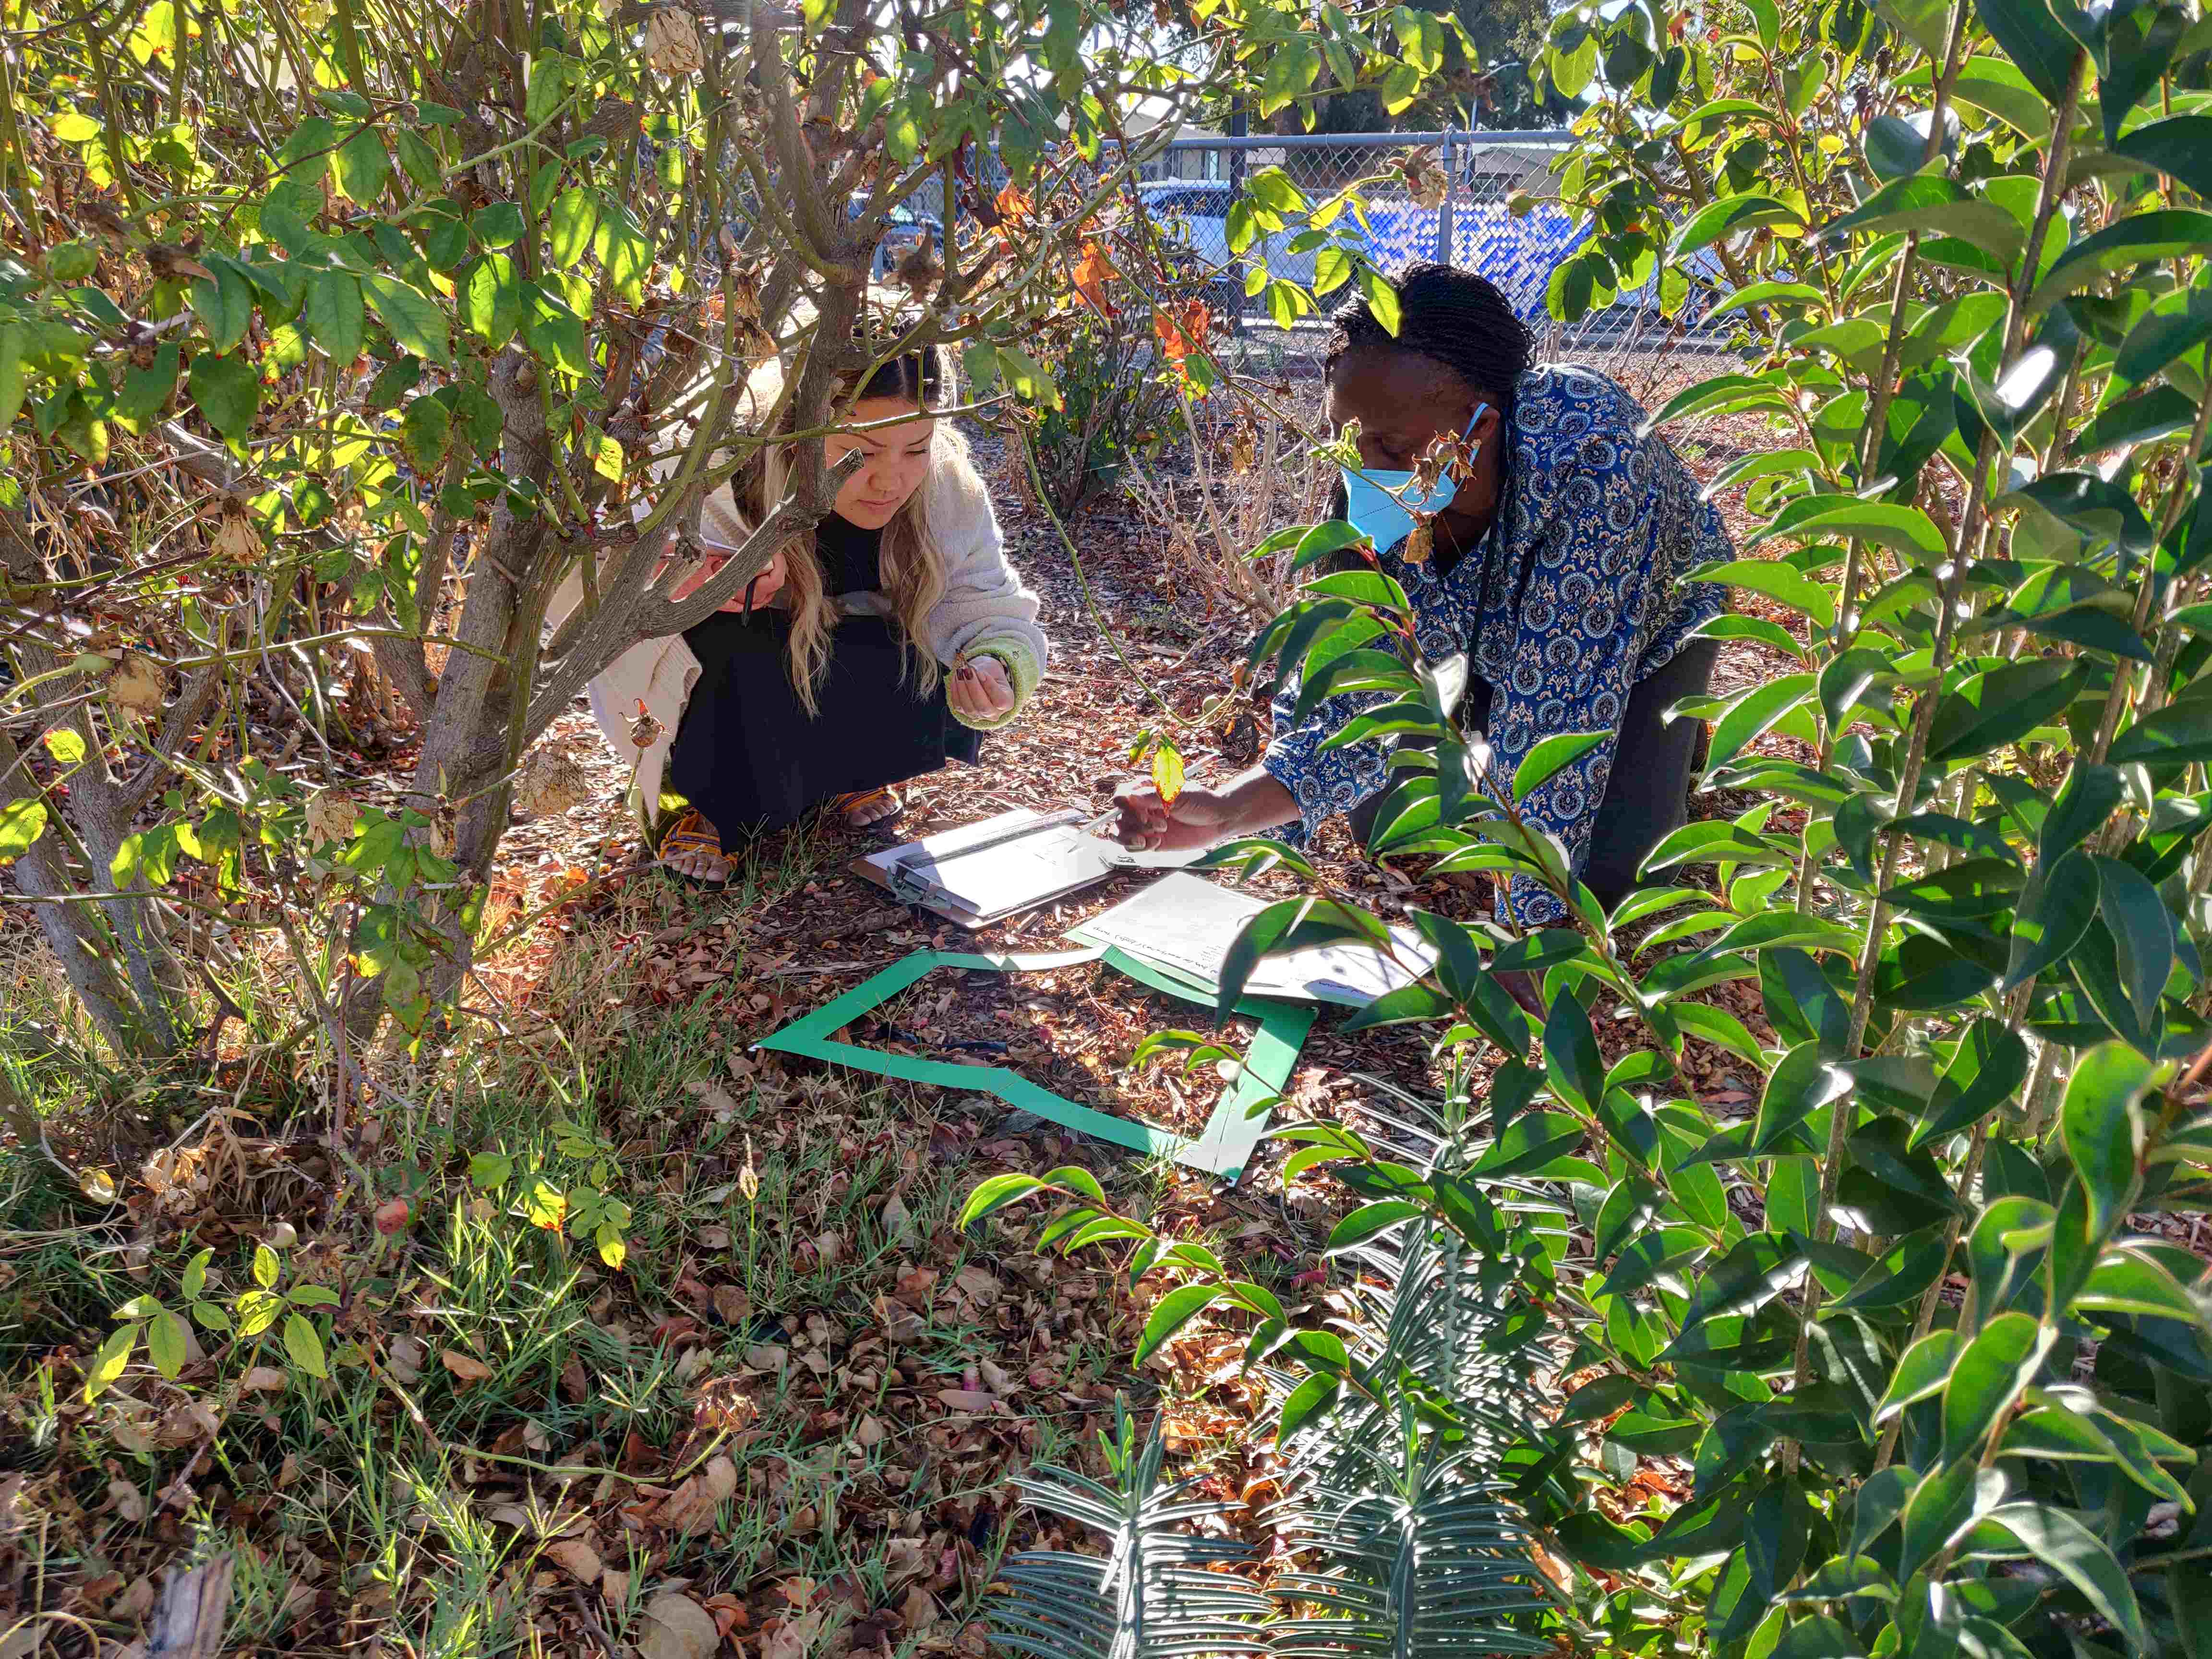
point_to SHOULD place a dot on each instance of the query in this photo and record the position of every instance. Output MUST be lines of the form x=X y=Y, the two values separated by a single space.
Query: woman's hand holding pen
x=763 y=587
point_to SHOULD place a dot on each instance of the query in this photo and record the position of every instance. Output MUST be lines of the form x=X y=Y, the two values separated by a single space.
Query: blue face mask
x=1381 y=504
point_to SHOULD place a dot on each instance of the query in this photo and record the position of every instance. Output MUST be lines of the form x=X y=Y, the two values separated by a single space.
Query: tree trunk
x=113 y=950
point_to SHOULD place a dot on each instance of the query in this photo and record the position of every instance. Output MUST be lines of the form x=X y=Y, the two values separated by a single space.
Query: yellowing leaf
x=614 y=1248
x=544 y=1205
x=257 y=1311
x=302 y=1342
x=1167 y=771
x=22 y=823
x=107 y=1365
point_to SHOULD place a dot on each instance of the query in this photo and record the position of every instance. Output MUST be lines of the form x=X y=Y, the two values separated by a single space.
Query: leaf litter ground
x=787 y=1425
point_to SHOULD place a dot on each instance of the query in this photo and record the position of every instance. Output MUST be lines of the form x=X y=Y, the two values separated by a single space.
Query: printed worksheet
x=1016 y=861
x=1186 y=924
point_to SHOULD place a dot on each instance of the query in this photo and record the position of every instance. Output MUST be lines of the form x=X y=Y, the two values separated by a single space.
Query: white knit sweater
x=984 y=611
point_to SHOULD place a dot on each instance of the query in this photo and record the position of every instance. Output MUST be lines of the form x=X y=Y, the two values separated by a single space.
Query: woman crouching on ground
x=1555 y=564
x=870 y=651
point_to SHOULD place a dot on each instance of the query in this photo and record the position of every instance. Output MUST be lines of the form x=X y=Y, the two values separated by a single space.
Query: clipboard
x=984 y=872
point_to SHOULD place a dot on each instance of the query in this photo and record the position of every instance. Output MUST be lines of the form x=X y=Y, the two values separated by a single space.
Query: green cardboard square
x=1221 y=1148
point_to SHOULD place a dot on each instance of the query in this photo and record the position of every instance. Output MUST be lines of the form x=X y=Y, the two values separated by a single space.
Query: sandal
x=867 y=809
x=691 y=849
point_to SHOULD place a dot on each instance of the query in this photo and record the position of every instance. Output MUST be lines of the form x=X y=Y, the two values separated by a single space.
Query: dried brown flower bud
x=138 y=685
x=174 y=265
x=235 y=539
x=644 y=732
x=920 y=271
x=1427 y=180
x=742 y=291
x=550 y=783
x=1421 y=544
x=331 y=815
x=671 y=42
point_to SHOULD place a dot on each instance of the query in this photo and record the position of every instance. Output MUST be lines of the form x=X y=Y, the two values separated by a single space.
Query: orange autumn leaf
x=1092 y=275
x=1181 y=335
x=1015 y=207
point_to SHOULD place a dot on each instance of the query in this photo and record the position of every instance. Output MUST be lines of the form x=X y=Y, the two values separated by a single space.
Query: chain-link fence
x=1490 y=203
x=1498 y=214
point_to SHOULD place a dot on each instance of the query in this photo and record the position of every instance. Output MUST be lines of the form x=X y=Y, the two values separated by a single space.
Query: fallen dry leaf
x=263 y=1379
x=577 y=1558
x=403 y=1356
x=898 y=1222
x=919 y=1610
x=791 y=1636
x=906 y=1557
x=466 y=1368
x=674 y=1626
x=692 y=1505
x=974 y=1281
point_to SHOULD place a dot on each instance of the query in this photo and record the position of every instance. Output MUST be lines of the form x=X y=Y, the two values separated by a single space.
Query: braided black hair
x=1453 y=316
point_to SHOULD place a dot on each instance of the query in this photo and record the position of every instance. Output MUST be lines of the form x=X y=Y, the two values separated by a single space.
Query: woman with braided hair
x=1552 y=557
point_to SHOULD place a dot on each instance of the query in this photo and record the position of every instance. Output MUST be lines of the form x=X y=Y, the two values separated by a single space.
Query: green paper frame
x=1221 y=1148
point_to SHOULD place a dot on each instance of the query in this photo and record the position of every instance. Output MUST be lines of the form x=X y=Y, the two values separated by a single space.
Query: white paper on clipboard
x=982 y=873
x=1186 y=923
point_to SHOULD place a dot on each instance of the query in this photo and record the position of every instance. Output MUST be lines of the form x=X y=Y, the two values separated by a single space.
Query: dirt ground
x=1070 y=750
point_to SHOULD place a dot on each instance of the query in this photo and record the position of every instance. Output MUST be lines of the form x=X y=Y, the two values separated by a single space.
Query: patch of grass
x=796 y=1299
x=509 y=1423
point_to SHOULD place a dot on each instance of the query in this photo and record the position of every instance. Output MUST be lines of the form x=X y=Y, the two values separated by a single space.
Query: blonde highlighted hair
x=912 y=558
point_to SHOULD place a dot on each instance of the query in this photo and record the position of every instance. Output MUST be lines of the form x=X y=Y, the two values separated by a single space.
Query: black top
x=748 y=755
x=852 y=558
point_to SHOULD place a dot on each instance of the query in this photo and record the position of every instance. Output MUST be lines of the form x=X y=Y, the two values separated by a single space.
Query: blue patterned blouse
x=1574 y=597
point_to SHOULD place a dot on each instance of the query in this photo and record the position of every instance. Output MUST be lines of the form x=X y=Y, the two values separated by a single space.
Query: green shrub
x=1117 y=405
x=1941 y=1373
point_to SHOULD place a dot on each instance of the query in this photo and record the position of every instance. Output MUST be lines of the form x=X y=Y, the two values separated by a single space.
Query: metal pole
x=1239 y=129
x=1539 y=137
x=1444 y=211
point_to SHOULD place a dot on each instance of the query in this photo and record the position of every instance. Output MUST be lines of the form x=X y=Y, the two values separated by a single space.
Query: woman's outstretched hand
x=765 y=586
x=1202 y=814
x=980 y=690
x=1198 y=818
